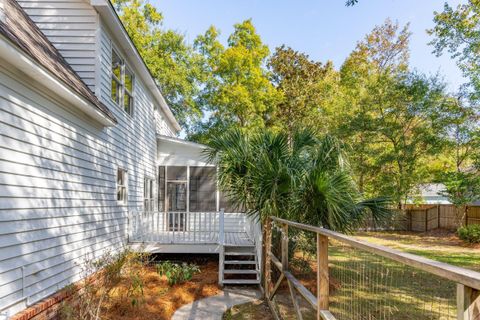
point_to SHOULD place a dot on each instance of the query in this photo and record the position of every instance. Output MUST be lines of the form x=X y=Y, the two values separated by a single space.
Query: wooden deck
x=240 y=238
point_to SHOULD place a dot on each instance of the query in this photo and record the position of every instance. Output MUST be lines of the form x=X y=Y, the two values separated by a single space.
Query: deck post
x=322 y=274
x=221 y=244
x=268 y=260
x=468 y=303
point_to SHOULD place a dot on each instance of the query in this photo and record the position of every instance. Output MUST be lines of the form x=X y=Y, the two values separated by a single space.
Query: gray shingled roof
x=17 y=26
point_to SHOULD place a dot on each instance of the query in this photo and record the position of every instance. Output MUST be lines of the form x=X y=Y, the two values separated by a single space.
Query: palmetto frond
x=303 y=177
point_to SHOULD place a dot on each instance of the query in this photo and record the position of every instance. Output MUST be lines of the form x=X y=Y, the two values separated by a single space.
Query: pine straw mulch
x=159 y=300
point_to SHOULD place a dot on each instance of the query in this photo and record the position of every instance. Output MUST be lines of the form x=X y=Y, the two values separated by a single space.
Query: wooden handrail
x=457 y=274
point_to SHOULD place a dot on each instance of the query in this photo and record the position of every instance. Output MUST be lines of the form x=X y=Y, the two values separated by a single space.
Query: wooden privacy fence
x=360 y=280
x=427 y=217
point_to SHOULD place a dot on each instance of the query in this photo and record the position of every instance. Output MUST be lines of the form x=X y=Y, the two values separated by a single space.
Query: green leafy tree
x=305 y=86
x=172 y=62
x=456 y=32
x=462 y=135
x=238 y=91
x=392 y=118
x=461 y=189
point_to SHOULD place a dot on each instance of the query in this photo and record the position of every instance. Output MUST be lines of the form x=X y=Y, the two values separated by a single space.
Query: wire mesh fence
x=366 y=286
x=354 y=280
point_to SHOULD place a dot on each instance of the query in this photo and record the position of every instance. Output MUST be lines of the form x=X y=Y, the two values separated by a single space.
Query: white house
x=88 y=155
x=432 y=193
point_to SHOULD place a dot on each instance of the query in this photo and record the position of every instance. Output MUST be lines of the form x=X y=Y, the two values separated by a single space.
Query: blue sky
x=324 y=29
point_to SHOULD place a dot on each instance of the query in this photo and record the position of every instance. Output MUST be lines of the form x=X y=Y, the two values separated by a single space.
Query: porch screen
x=227 y=204
x=203 y=195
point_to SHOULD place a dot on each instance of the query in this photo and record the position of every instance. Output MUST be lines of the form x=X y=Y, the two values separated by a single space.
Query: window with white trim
x=122 y=195
x=148 y=197
x=122 y=83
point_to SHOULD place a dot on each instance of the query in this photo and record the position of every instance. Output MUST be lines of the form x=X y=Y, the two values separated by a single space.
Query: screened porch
x=183 y=204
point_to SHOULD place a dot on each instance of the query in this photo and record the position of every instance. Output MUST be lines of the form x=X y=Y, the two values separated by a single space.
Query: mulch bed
x=160 y=300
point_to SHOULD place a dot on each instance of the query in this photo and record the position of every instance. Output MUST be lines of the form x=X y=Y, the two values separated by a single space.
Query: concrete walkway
x=213 y=308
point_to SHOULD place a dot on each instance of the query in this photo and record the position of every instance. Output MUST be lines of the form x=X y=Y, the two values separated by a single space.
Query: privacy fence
x=427 y=217
x=314 y=273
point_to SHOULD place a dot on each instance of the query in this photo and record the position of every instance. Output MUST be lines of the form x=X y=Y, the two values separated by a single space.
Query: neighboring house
x=431 y=193
x=88 y=155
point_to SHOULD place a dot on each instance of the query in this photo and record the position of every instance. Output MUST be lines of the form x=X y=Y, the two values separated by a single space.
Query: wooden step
x=239 y=253
x=242 y=281
x=240 y=262
x=230 y=245
x=239 y=271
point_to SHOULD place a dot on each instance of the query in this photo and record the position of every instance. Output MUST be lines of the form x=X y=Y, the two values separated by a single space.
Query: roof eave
x=16 y=57
x=181 y=141
x=113 y=22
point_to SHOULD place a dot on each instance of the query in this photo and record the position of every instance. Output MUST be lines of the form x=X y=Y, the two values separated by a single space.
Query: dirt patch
x=160 y=300
x=257 y=310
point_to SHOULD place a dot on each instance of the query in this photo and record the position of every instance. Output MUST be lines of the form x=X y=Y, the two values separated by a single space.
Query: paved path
x=213 y=308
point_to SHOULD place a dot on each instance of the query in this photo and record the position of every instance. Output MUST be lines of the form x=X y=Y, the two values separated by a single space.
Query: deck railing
x=360 y=280
x=184 y=227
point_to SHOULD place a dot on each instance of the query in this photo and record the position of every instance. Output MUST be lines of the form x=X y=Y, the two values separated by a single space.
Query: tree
x=173 y=63
x=304 y=178
x=456 y=32
x=391 y=116
x=304 y=85
x=461 y=188
x=238 y=91
x=462 y=134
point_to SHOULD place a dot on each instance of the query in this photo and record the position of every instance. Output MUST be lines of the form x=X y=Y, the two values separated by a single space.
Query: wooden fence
x=370 y=291
x=427 y=217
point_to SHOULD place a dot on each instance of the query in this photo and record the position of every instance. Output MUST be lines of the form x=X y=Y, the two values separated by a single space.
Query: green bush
x=470 y=234
x=176 y=273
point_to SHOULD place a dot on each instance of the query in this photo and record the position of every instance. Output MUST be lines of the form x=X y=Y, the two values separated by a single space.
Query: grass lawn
x=437 y=245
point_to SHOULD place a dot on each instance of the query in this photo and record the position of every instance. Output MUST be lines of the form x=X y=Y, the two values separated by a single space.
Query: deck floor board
x=187 y=237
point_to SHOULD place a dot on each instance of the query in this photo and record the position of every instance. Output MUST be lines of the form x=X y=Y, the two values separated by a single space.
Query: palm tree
x=305 y=178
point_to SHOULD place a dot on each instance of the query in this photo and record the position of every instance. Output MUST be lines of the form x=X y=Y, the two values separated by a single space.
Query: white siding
x=58 y=181
x=71 y=26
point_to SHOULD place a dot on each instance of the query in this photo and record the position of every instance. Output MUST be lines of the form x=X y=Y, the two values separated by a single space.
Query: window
x=122 y=186
x=122 y=84
x=203 y=195
x=189 y=189
x=149 y=201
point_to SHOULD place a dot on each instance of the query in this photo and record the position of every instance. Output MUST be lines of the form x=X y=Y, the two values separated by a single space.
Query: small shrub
x=176 y=273
x=101 y=276
x=470 y=234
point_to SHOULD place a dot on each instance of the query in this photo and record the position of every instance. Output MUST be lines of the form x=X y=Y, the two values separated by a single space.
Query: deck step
x=239 y=271
x=240 y=262
x=232 y=245
x=239 y=253
x=241 y=281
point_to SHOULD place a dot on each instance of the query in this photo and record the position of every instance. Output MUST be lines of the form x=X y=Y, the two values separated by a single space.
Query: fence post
x=466 y=215
x=468 y=303
x=438 y=216
x=426 y=220
x=285 y=247
x=268 y=249
x=322 y=274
